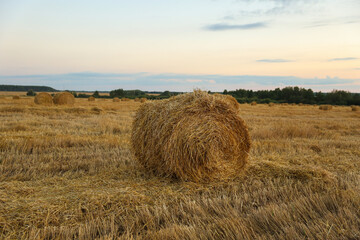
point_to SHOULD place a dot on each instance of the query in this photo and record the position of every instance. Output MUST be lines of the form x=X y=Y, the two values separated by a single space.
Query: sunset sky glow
x=181 y=45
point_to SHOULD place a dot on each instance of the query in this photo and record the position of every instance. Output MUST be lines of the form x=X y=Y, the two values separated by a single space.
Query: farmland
x=68 y=172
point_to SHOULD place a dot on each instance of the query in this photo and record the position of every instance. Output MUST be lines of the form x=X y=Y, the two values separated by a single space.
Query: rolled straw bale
x=195 y=136
x=15 y=97
x=64 y=98
x=325 y=107
x=142 y=100
x=271 y=104
x=125 y=99
x=253 y=103
x=355 y=108
x=43 y=98
x=137 y=99
x=116 y=99
x=91 y=99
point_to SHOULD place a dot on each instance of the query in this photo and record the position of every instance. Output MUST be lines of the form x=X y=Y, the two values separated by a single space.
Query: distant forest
x=284 y=95
x=295 y=95
x=19 y=88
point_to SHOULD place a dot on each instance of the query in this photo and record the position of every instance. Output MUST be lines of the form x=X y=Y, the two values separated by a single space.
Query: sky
x=181 y=45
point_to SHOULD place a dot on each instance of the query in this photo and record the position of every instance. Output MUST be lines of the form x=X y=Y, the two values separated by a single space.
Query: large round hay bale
x=125 y=99
x=64 y=98
x=195 y=136
x=142 y=100
x=253 y=103
x=271 y=104
x=43 y=98
x=137 y=99
x=91 y=99
x=116 y=99
x=16 y=97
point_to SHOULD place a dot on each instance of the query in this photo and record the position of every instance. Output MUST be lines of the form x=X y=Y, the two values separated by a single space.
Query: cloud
x=334 y=21
x=343 y=59
x=225 y=26
x=274 y=60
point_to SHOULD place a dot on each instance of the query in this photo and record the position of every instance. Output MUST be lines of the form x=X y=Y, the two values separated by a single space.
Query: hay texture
x=16 y=97
x=91 y=99
x=64 y=98
x=137 y=99
x=271 y=104
x=116 y=99
x=142 y=100
x=125 y=99
x=253 y=103
x=43 y=98
x=325 y=107
x=194 y=136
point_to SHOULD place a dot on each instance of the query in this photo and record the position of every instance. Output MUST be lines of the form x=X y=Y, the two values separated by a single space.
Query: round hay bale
x=271 y=104
x=142 y=100
x=137 y=99
x=43 y=98
x=64 y=98
x=355 y=108
x=253 y=103
x=125 y=99
x=116 y=99
x=325 y=107
x=16 y=97
x=195 y=136
x=91 y=99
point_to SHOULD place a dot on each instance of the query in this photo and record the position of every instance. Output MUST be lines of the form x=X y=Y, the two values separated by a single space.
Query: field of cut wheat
x=67 y=172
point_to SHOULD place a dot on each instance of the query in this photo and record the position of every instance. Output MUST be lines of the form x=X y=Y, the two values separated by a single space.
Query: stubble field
x=67 y=172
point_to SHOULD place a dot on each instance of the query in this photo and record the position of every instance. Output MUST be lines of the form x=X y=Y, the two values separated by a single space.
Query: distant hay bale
x=195 y=136
x=137 y=99
x=253 y=103
x=142 y=100
x=43 y=98
x=91 y=99
x=64 y=98
x=271 y=104
x=301 y=104
x=325 y=107
x=125 y=99
x=16 y=97
x=116 y=99
x=355 y=108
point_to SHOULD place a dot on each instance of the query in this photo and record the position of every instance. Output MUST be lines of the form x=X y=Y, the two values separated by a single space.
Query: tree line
x=295 y=95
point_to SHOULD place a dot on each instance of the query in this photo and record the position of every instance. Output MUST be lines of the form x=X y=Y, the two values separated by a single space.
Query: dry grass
x=67 y=173
x=16 y=97
x=195 y=136
x=91 y=99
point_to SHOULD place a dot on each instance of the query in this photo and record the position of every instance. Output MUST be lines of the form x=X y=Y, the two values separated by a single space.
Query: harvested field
x=67 y=172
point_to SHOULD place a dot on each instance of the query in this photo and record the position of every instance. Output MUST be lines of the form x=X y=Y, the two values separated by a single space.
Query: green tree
x=30 y=93
x=96 y=94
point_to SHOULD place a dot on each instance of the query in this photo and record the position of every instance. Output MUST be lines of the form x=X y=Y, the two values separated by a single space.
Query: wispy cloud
x=274 y=60
x=225 y=26
x=343 y=59
x=334 y=21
